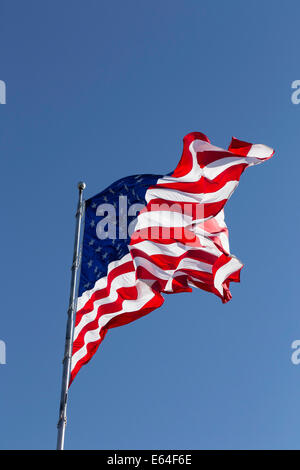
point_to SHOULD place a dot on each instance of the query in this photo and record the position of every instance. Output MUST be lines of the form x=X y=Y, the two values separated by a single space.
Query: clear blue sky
x=100 y=90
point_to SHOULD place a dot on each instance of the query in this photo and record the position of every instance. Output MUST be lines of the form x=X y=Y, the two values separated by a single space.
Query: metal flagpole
x=70 y=324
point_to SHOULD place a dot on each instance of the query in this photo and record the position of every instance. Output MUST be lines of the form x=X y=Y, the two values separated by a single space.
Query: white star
x=90 y=263
x=98 y=249
x=91 y=242
x=94 y=205
x=92 y=224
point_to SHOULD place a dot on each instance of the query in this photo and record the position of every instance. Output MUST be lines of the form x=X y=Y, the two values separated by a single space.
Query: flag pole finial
x=81 y=185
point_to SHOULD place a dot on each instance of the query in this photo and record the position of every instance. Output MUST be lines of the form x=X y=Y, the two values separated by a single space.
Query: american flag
x=164 y=234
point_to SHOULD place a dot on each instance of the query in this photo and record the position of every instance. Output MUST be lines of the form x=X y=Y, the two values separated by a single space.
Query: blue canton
x=96 y=253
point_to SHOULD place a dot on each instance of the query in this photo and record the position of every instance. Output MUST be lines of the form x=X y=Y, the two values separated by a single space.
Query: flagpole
x=61 y=425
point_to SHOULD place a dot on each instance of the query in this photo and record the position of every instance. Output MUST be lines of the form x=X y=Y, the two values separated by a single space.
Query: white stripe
x=162 y=219
x=214 y=169
x=176 y=249
x=154 y=248
x=160 y=273
x=224 y=241
x=190 y=263
x=220 y=219
x=201 y=198
x=224 y=271
x=260 y=151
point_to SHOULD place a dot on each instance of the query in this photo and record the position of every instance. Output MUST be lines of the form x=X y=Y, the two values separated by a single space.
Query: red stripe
x=186 y=163
x=205 y=185
x=239 y=147
x=167 y=262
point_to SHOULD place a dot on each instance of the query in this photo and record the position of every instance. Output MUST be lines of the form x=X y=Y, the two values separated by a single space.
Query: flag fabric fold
x=149 y=235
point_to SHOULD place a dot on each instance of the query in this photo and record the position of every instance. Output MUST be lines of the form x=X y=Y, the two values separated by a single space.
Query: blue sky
x=100 y=90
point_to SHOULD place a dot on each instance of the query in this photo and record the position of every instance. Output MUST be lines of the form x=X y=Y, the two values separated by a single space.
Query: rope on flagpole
x=62 y=422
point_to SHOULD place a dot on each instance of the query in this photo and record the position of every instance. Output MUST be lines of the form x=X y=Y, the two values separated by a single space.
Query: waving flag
x=146 y=235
